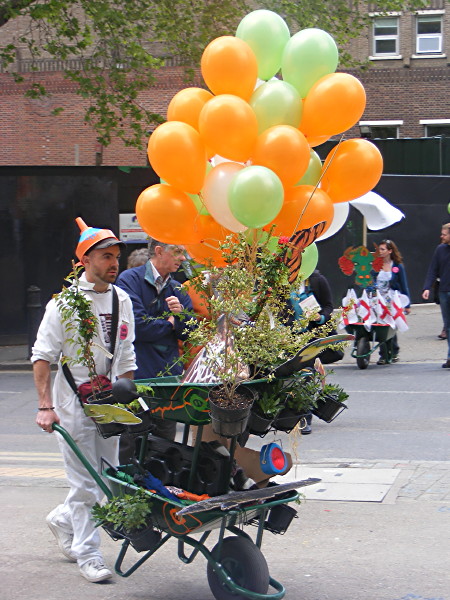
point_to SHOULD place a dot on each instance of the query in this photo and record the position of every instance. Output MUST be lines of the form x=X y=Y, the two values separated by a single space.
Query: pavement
x=372 y=529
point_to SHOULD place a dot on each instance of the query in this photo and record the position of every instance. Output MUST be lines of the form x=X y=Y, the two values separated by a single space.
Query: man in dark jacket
x=440 y=268
x=157 y=303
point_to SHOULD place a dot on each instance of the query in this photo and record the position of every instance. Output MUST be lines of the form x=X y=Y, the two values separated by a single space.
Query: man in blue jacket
x=158 y=302
x=440 y=268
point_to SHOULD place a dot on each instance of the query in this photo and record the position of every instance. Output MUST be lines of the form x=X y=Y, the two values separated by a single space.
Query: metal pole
x=33 y=314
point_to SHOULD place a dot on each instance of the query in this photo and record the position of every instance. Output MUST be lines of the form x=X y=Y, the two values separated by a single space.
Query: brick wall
x=32 y=135
x=405 y=94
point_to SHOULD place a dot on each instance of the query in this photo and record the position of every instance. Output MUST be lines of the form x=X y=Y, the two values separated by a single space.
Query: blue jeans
x=444 y=299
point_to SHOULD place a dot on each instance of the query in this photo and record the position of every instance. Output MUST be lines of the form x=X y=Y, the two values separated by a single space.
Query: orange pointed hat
x=90 y=236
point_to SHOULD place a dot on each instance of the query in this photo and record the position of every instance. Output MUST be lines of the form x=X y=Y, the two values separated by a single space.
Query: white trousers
x=74 y=515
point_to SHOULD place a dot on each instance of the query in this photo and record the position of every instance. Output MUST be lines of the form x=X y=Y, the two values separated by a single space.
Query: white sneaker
x=94 y=570
x=63 y=538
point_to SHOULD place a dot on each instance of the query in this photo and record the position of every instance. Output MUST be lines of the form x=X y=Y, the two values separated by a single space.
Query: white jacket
x=52 y=343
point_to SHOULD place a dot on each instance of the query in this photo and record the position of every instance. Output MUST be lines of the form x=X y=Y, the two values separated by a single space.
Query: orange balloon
x=301 y=211
x=206 y=254
x=229 y=66
x=199 y=300
x=229 y=127
x=210 y=235
x=351 y=170
x=167 y=214
x=178 y=155
x=333 y=105
x=317 y=140
x=187 y=104
x=285 y=151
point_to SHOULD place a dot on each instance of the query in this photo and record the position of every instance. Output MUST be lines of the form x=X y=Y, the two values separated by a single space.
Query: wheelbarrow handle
x=72 y=444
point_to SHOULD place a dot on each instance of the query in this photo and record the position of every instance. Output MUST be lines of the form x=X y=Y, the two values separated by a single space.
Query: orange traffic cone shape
x=90 y=236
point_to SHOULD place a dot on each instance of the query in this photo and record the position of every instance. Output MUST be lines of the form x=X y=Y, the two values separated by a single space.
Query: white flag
x=384 y=316
x=366 y=312
x=397 y=312
x=349 y=305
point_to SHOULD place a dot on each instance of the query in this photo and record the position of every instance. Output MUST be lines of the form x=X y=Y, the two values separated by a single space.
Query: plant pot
x=258 y=424
x=228 y=421
x=141 y=539
x=280 y=517
x=328 y=408
x=144 y=539
x=287 y=419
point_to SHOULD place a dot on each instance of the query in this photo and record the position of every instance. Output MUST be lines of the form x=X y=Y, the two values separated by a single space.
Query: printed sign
x=130 y=230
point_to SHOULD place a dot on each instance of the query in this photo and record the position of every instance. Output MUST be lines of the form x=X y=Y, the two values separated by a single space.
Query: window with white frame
x=380 y=129
x=384 y=131
x=385 y=36
x=434 y=130
x=434 y=127
x=429 y=34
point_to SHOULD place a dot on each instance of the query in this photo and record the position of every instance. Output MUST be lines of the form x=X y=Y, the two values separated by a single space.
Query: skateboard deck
x=233 y=499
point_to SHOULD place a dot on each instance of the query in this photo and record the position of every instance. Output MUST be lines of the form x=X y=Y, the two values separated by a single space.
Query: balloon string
x=317 y=184
x=201 y=200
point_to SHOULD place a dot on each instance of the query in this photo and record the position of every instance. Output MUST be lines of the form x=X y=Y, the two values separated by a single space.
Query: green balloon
x=255 y=196
x=448 y=207
x=276 y=103
x=309 y=55
x=267 y=35
x=261 y=237
x=310 y=257
x=313 y=172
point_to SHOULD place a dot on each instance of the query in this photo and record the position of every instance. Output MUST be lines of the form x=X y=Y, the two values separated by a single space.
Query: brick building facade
x=407 y=87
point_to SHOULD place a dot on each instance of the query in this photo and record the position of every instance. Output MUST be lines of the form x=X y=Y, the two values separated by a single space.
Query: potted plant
x=128 y=516
x=330 y=402
x=301 y=393
x=269 y=402
x=247 y=334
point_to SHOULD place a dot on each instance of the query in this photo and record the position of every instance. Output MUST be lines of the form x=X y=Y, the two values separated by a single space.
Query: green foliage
x=303 y=391
x=121 y=44
x=248 y=303
x=334 y=390
x=144 y=389
x=79 y=323
x=134 y=406
x=271 y=399
x=128 y=512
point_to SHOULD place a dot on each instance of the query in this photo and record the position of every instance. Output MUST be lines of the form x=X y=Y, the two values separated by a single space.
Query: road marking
x=35 y=472
x=12 y=457
x=18 y=453
x=7 y=392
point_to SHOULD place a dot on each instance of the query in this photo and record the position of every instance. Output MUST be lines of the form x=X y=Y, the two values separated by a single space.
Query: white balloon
x=341 y=210
x=215 y=195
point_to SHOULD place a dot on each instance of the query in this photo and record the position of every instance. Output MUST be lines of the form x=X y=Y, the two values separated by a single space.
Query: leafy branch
x=79 y=322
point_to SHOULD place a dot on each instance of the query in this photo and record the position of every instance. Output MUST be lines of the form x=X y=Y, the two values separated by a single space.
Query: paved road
x=390 y=449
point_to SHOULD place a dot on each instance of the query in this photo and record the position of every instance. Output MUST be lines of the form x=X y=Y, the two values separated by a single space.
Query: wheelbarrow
x=236 y=567
x=366 y=342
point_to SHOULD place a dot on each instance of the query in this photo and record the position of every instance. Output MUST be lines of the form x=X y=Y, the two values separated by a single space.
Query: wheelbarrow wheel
x=363 y=353
x=246 y=565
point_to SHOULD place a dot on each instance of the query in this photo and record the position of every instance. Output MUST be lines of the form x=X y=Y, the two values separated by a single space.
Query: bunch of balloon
x=239 y=155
